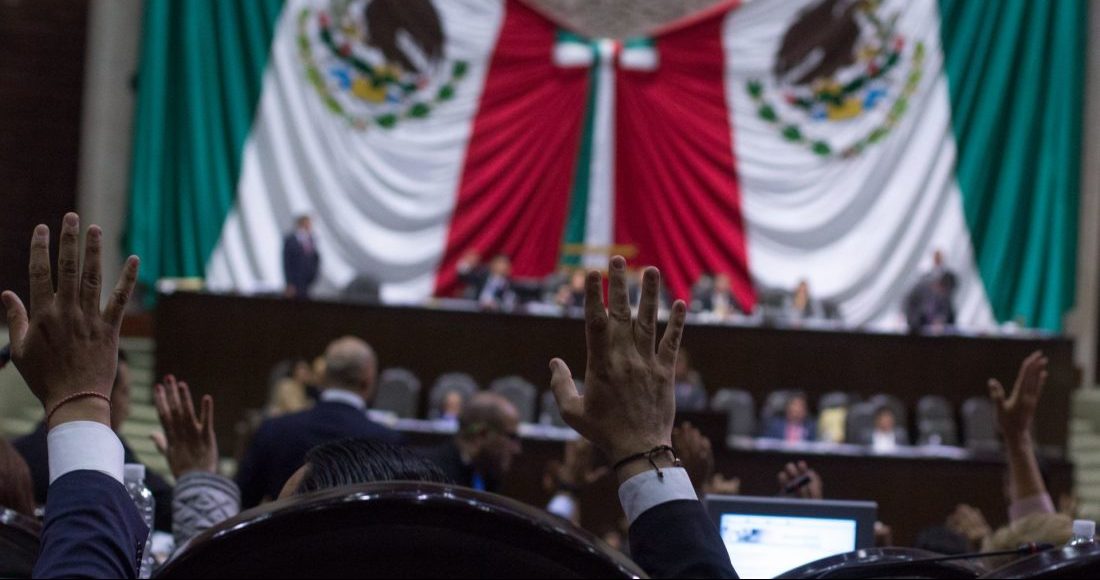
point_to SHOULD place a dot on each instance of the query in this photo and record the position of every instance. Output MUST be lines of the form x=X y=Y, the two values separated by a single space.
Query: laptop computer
x=767 y=536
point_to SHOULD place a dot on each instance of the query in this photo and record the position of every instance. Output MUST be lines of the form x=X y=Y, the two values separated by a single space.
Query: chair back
x=461 y=383
x=18 y=544
x=398 y=393
x=936 y=422
x=980 y=425
x=520 y=393
x=885 y=563
x=1067 y=562
x=397 y=530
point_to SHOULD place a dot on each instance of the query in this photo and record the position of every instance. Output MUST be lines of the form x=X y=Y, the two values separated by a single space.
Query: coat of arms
x=377 y=62
x=839 y=60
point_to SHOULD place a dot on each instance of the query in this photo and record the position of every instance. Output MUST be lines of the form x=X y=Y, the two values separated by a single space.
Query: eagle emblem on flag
x=840 y=61
x=377 y=62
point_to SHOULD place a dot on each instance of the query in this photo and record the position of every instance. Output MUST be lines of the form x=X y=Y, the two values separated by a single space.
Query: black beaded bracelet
x=648 y=456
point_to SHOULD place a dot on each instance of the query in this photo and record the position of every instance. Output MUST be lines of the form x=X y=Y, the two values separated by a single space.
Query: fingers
x=645 y=328
x=160 y=401
x=18 y=323
x=565 y=392
x=175 y=404
x=116 y=306
x=996 y=394
x=670 y=342
x=160 y=442
x=595 y=317
x=618 y=303
x=91 y=281
x=187 y=405
x=68 y=261
x=40 y=277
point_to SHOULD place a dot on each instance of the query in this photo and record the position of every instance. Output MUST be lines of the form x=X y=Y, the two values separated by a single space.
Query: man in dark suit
x=301 y=262
x=487 y=443
x=34 y=449
x=66 y=349
x=930 y=305
x=795 y=425
x=280 y=444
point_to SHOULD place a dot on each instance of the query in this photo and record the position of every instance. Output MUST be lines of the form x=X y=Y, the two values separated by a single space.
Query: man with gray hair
x=280 y=445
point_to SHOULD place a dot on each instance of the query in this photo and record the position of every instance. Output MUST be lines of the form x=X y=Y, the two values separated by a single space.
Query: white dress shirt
x=342 y=396
x=84 y=445
x=646 y=491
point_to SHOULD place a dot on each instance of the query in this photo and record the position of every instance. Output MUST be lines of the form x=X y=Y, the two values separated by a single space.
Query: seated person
x=496 y=292
x=570 y=296
x=691 y=395
x=452 y=405
x=719 y=300
x=472 y=274
x=801 y=305
x=887 y=434
x=795 y=425
x=33 y=448
x=16 y=489
x=281 y=443
x=486 y=445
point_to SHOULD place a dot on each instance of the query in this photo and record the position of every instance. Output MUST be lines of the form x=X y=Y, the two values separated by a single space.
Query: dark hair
x=16 y=489
x=352 y=461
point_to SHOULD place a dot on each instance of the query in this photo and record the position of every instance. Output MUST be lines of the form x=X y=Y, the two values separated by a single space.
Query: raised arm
x=67 y=350
x=202 y=498
x=627 y=411
x=1015 y=414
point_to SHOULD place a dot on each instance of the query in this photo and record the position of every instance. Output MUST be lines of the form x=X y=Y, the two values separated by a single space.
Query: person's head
x=796 y=409
x=885 y=420
x=16 y=488
x=501 y=265
x=353 y=461
x=576 y=280
x=304 y=223
x=488 y=433
x=722 y=284
x=120 y=394
x=350 y=365
x=451 y=407
x=301 y=372
x=802 y=291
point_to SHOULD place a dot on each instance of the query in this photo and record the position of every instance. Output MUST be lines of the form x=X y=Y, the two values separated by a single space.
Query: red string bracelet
x=74 y=397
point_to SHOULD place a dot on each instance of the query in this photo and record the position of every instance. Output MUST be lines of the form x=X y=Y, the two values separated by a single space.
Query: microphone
x=5 y=355
x=793 y=486
x=1027 y=549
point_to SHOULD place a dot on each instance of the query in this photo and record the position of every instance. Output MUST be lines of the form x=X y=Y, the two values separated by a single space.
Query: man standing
x=301 y=262
x=930 y=305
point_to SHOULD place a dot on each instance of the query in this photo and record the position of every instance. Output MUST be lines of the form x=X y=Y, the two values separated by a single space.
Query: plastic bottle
x=134 y=477
x=1084 y=533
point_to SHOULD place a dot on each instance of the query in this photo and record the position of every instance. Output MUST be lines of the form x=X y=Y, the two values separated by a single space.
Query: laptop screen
x=766 y=537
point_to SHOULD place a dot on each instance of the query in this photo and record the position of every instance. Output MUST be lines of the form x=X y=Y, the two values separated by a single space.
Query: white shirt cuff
x=563 y=506
x=645 y=491
x=84 y=445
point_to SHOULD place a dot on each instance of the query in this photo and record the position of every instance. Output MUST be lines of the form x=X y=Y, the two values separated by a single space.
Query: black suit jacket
x=677 y=539
x=449 y=460
x=92 y=529
x=300 y=267
x=33 y=448
x=280 y=445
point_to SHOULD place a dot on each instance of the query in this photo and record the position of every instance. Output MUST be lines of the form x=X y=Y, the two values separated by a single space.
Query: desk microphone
x=796 y=484
x=5 y=355
x=880 y=568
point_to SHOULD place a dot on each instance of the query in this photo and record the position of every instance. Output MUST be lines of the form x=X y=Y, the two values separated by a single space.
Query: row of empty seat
x=936 y=420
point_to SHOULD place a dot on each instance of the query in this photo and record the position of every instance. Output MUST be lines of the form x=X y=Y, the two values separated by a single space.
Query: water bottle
x=1084 y=533
x=134 y=477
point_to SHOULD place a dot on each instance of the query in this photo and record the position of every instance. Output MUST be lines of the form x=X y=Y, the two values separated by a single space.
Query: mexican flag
x=840 y=142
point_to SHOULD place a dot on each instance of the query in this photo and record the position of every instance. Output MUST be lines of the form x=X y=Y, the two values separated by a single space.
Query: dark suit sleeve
x=288 y=260
x=677 y=539
x=92 y=529
x=250 y=476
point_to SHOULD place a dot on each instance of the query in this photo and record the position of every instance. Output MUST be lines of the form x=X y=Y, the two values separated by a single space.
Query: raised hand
x=65 y=347
x=188 y=442
x=969 y=522
x=792 y=472
x=1016 y=413
x=628 y=406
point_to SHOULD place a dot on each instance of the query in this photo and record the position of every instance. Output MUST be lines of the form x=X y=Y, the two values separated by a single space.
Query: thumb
x=18 y=323
x=565 y=390
x=996 y=393
x=160 y=442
